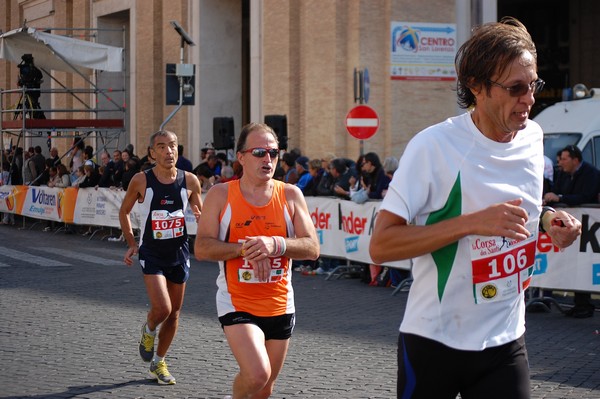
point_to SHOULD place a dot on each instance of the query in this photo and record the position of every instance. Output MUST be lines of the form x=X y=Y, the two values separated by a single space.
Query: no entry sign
x=362 y=122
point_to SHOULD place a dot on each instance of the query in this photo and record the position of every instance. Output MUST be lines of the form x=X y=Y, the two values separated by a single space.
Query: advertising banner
x=423 y=51
x=68 y=204
x=97 y=207
x=576 y=267
x=43 y=203
x=12 y=198
x=344 y=230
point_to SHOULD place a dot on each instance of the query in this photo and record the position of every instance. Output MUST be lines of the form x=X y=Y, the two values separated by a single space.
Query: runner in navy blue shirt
x=162 y=193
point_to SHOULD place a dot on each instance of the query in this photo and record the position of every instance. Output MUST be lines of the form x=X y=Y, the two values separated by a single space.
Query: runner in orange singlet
x=254 y=227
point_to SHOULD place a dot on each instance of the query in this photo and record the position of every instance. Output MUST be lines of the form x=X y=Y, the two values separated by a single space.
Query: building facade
x=296 y=58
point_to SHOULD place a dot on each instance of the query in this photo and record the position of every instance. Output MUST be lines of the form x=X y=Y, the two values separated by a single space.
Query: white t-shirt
x=468 y=295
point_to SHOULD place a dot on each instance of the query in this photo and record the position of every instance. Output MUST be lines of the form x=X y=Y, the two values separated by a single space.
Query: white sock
x=148 y=331
x=157 y=359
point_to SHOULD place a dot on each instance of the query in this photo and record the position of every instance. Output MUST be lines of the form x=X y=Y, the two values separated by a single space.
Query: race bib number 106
x=502 y=268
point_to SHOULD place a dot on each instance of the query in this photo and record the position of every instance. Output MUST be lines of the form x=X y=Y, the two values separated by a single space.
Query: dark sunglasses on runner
x=521 y=89
x=260 y=152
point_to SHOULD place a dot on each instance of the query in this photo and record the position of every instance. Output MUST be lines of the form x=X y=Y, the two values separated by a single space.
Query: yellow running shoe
x=159 y=372
x=146 y=345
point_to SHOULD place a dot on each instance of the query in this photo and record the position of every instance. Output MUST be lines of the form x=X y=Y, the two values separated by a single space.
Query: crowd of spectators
x=366 y=178
x=215 y=167
x=77 y=168
x=360 y=180
x=571 y=182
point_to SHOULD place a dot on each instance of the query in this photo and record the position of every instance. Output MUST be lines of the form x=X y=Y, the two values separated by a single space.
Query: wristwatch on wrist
x=545 y=209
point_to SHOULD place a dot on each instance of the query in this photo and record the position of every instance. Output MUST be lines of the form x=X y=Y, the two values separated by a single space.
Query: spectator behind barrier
x=64 y=177
x=119 y=168
x=304 y=177
x=91 y=175
x=288 y=162
x=107 y=172
x=131 y=168
x=40 y=164
x=375 y=180
x=390 y=164
x=341 y=174
x=576 y=183
x=316 y=171
x=182 y=162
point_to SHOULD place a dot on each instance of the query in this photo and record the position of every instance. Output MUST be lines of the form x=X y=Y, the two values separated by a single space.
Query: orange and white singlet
x=239 y=290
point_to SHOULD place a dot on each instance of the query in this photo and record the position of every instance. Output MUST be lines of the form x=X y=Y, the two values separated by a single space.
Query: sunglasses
x=521 y=89
x=260 y=152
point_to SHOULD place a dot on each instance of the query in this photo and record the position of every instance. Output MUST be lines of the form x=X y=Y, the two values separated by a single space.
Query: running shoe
x=159 y=372
x=146 y=345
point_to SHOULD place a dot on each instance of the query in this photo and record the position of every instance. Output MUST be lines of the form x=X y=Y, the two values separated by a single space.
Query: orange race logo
x=59 y=204
x=10 y=199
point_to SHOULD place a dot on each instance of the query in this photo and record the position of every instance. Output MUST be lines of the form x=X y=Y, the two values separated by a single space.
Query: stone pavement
x=70 y=312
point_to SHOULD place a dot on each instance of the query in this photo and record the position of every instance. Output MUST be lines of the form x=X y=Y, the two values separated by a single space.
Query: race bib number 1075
x=167 y=225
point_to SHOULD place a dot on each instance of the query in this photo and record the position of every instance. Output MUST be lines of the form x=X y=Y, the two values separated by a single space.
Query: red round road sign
x=362 y=122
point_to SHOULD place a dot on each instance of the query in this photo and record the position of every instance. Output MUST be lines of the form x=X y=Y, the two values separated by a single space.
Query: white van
x=574 y=122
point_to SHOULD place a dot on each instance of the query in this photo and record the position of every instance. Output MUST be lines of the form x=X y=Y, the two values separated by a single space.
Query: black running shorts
x=275 y=327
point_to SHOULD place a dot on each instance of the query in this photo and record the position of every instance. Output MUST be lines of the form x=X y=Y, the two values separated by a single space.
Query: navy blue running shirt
x=164 y=234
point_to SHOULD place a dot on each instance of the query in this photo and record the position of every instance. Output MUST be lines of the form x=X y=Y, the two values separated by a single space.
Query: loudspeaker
x=279 y=125
x=223 y=134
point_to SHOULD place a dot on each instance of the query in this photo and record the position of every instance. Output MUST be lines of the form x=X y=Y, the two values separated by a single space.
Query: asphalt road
x=70 y=314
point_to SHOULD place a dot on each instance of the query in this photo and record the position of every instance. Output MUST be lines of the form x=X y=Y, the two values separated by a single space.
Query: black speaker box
x=223 y=133
x=279 y=125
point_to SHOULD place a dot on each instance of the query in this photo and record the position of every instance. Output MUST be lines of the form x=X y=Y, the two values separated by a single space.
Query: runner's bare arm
x=136 y=187
x=207 y=245
x=306 y=244
x=193 y=185
x=394 y=239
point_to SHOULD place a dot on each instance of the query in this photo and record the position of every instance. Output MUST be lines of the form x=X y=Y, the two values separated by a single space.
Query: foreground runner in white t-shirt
x=465 y=204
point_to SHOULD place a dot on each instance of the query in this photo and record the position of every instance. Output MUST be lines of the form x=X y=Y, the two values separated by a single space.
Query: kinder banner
x=344 y=228
x=576 y=268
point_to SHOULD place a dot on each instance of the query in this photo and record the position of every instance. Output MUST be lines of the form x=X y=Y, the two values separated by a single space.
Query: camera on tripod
x=30 y=78
x=29 y=75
